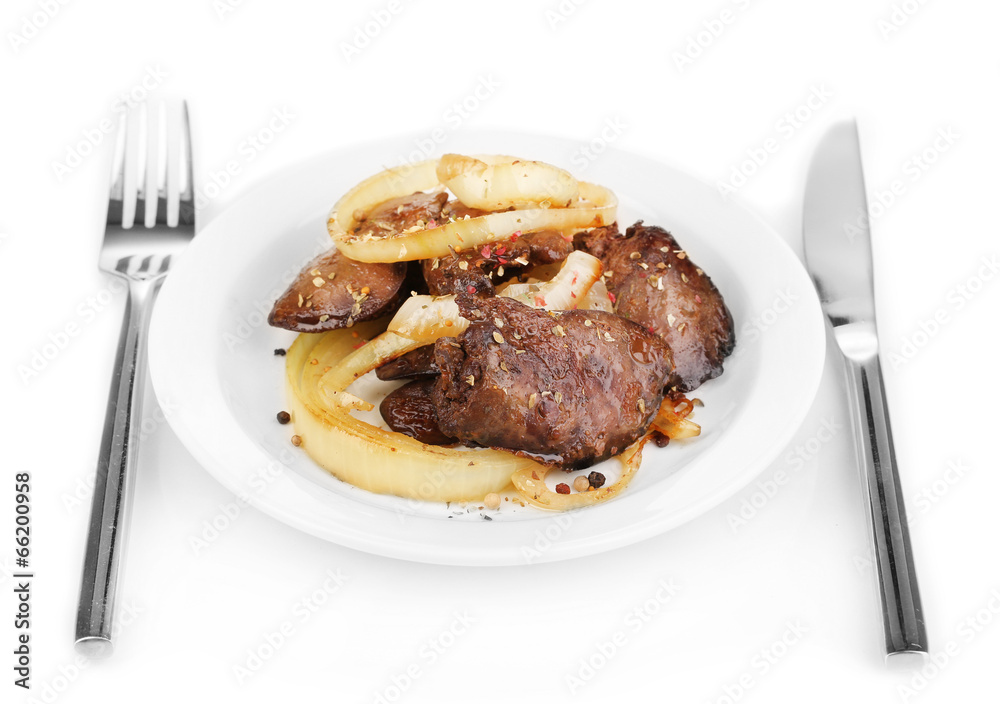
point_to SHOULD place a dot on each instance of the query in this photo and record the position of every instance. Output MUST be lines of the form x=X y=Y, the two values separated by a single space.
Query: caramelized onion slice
x=596 y=206
x=498 y=183
x=426 y=318
x=369 y=457
x=567 y=289
x=596 y=298
x=530 y=484
x=674 y=425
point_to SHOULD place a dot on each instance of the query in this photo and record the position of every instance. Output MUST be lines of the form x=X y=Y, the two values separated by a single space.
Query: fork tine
x=186 y=216
x=163 y=166
x=142 y=177
x=116 y=199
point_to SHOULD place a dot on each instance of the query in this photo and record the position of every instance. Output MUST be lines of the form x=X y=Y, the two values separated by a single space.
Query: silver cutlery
x=152 y=175
x=839 y=257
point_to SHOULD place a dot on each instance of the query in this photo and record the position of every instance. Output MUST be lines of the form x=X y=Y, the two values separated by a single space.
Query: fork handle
x=109 y=514
x=902 y=613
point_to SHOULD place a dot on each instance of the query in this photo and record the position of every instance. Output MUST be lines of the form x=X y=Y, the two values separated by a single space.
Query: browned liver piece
x=397 y=214
x=415 y=364
x=477 y=270
x=655 y=284
x=410 y=410
x=568 y=390
x=333 y=291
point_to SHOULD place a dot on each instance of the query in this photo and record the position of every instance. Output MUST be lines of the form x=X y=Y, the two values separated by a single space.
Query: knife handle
x=903 y=619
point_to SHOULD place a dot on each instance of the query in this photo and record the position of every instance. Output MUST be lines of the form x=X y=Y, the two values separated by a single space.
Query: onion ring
x=530 y=483
x=369 y=457
x=675 y=424
x=426 y=318
x=498 y=183
x=595 y=207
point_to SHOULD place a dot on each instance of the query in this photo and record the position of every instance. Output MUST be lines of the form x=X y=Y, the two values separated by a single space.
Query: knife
x=839 y=258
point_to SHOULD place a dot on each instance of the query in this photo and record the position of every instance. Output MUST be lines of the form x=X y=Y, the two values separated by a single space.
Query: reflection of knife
x=839 y=257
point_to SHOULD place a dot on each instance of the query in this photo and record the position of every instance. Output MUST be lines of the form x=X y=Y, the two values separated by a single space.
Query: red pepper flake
x=470 y=288
x=501 y=259
x=643 y=274
x=611 y=296
x=572 y=294
x=575 y=277
x=485 y=251
x=501 y=249
x=539 y=301
x=562 y=488
x=359 y=345
x=697 y=298
x=432 y=223
x=513 y=238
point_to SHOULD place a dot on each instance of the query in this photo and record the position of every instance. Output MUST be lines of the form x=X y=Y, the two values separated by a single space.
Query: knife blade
x=838 y=253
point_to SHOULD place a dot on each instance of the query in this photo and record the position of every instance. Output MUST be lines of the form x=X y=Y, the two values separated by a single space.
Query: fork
x=142 y=256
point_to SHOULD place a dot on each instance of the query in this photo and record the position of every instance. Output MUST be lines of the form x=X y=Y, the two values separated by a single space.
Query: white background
x=802 y=559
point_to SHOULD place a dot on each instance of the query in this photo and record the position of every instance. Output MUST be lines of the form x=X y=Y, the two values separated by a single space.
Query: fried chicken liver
x=477 y=270
x=568 y=389
x=655 y=284
x=333 y=291
x=410 y=410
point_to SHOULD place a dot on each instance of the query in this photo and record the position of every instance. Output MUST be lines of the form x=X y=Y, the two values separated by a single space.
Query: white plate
x=213 y=367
